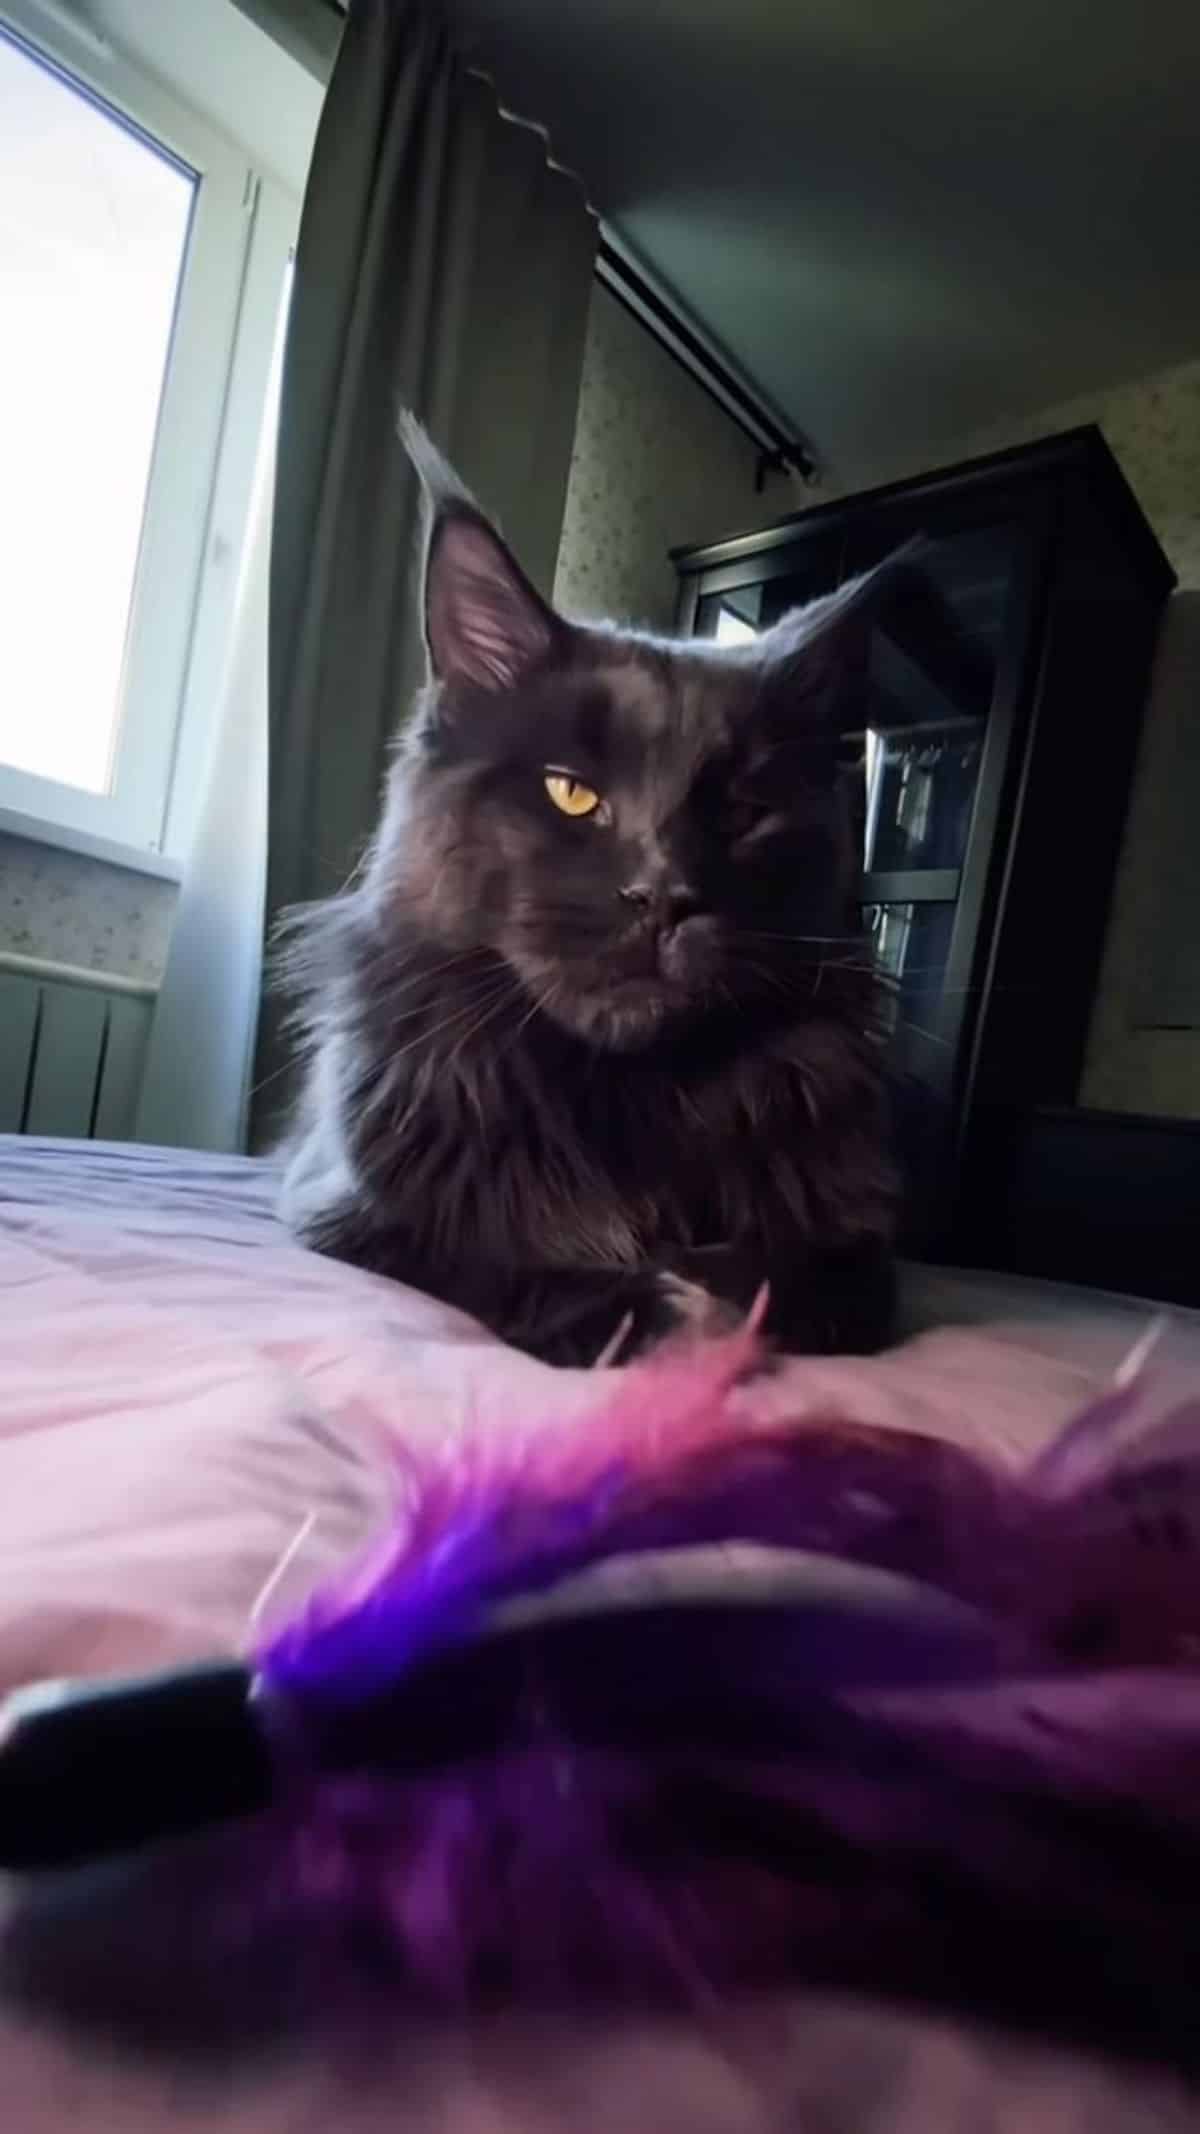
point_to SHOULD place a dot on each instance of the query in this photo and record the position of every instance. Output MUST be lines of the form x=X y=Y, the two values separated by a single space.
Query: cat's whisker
x=539 y=1004
x=465 y=999
x=802 y=985
x=777 y=980
x=509 y=993
x=934 y=1038
x=805 y=940
x=461 y=1013
x=276 y=1075
x=484 y=1012
x=428 y=972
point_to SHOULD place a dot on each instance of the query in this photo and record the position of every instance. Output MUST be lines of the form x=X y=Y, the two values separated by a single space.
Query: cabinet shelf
x=918 y=885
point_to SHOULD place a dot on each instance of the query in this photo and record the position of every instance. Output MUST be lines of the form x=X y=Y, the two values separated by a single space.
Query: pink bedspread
x=186 y=1396
x=189 y=1402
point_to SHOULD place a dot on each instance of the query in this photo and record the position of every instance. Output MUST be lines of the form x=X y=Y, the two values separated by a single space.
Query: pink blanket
x=198 y=1422
x=188 y=1399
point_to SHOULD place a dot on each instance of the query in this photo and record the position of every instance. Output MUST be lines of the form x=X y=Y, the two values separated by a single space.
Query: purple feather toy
x=670 y=1704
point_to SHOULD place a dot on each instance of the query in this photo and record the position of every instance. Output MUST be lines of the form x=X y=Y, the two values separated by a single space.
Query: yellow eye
x=570 y=794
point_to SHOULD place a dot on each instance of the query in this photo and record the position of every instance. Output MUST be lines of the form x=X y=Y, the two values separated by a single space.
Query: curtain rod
x=779 y=448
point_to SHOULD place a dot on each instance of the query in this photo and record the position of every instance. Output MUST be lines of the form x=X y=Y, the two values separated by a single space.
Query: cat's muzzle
x=688 y=951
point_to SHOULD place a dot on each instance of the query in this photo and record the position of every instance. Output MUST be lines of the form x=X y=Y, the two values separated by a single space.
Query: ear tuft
x=439 y=483
x=825 y=648
x=839 y=624
x=485 y=624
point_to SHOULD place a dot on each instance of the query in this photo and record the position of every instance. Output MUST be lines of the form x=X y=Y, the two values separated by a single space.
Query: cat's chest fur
x=536 y=1151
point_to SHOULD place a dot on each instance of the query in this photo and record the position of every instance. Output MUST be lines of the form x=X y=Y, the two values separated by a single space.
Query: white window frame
x=242 y=231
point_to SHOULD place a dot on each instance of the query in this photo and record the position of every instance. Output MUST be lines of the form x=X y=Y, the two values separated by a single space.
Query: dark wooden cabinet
x=992 y=776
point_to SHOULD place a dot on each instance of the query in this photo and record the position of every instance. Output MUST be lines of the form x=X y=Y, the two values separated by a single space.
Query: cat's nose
x=670 y=902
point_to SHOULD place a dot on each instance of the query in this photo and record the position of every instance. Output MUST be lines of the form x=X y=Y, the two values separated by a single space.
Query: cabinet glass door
x=730 y=617
x=916 y=760
x=932 y=673
x=932 y=734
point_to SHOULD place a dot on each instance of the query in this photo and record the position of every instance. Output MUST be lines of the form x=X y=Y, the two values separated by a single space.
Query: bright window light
x=94 y=225
x=733 y=629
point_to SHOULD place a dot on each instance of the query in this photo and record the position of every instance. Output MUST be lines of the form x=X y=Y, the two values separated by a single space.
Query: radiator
x=72 y=1050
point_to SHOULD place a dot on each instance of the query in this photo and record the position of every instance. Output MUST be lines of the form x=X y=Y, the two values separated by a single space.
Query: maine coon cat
x=593 y=1046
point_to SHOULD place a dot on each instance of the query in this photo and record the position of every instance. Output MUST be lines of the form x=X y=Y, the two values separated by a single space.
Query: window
x=93 y=232
x=141 y=266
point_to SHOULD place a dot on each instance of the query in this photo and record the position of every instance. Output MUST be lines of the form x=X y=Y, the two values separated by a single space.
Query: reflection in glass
x=920 y=789
x=733 y=629
x=912 y=947
x=931 y=675
x=733 y=616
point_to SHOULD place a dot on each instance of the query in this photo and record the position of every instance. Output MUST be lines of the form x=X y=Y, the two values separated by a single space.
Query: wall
x=1130 y=1067
x=657 y=463
x=1153 y=427
x=65 y=908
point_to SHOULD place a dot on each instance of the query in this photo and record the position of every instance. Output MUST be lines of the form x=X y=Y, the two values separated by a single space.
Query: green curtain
x=443 y=263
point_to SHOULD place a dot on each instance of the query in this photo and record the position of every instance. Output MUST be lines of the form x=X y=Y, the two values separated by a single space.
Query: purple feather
x=957 y=1755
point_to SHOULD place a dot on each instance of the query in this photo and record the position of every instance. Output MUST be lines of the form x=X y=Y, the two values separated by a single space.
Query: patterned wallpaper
x=657 y=463
x=1153 y=427
x=1130 y=1067
x=68 y=909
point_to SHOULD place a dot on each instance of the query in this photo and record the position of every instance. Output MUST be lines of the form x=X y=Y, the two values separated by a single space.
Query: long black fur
x=554 y=1104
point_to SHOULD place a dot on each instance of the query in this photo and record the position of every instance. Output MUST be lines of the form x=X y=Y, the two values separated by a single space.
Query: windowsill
x=43 y=968
x=135 y=859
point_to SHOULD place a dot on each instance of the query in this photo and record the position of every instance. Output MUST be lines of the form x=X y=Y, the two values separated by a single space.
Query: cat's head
x=647 y=832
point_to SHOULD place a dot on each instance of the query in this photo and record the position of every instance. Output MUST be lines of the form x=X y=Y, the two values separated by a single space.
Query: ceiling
x=902 y=219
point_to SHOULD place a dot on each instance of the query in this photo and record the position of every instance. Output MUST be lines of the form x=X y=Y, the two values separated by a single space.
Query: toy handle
x=88 y=1768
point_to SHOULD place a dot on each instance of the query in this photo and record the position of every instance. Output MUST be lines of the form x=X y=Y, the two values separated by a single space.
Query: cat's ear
x=820 y=654
x=485 y=624
x=822 y=650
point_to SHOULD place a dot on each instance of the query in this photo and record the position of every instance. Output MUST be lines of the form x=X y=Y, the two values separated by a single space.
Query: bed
x=199 y=1422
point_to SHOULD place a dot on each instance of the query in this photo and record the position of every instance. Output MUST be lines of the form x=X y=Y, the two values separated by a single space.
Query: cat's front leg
x=840 y=1301
x=602 y=1316
x=565 y=1315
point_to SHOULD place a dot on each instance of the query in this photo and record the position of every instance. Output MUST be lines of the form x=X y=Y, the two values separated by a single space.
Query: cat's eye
x=570 y=795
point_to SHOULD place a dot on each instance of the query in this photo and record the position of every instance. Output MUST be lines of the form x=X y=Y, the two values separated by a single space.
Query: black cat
x=594 y=1043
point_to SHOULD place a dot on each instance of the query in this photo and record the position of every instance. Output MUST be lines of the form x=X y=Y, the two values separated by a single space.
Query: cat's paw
x=687 y=1310
x=666 y=1308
